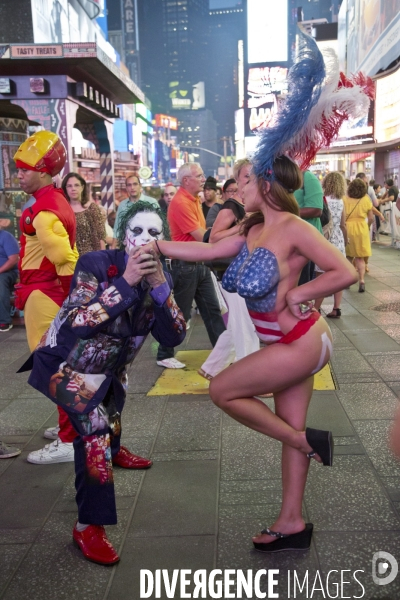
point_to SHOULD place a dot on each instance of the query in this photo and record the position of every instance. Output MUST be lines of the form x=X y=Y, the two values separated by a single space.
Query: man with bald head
x=169 y=193
x=192 y=280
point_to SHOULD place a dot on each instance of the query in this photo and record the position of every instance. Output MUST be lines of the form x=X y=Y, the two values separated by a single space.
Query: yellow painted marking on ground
x=324 y=380
x=188 y=381
x=183 y=381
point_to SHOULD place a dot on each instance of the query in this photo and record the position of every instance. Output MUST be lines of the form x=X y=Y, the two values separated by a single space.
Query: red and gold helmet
x=43 y=152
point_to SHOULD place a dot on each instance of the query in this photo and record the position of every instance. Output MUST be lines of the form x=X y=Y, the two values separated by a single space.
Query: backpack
x=326 y=221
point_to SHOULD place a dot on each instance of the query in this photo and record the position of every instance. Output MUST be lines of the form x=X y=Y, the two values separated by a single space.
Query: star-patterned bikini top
x=255 y=277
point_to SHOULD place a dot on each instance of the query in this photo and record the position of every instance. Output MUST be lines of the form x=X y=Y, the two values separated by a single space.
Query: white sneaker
x=187 y=325
x=56 y=452
x=51 y=433
x=171 y=363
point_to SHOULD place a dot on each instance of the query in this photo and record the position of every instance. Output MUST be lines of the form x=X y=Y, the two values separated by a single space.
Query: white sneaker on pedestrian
x=8 y=451
x=187 y=325
x=51 y=433
x=57 y=452
x=171 y=363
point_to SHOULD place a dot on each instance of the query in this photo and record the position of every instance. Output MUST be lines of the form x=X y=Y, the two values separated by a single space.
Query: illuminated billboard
x=379 y=44
x=239 y=124
x=141 y=110
x=166 y=121
x=267 y=31
x=356 y=131
x=265 y=87
x=199 y=96
x=387 y=103
x=264 y=81
x=183 y=99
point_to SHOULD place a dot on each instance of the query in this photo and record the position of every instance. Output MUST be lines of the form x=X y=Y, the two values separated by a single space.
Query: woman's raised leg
x=272 y=369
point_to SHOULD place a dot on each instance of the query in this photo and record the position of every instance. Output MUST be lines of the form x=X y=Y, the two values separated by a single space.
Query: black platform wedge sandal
x=321 y=443
x=293 y=541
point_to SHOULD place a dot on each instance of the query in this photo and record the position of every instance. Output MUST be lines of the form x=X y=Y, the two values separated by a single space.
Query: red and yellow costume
x=47 y=259
x=48 y=251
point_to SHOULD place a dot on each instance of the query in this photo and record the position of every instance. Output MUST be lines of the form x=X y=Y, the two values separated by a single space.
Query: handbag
x=326 y=214
x=221 y=300
x=221 y=264
x=326 y=220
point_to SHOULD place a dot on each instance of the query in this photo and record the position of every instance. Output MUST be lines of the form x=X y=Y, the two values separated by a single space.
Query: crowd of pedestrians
x=192 y=279
x=268 y=246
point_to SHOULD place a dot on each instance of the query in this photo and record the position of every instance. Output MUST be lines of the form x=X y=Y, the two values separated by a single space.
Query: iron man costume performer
x=48 y=251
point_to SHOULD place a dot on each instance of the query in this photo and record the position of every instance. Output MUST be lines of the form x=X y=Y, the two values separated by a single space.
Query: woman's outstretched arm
x=195 y=251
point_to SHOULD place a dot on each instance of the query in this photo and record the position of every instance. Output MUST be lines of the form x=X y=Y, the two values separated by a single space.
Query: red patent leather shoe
x=95 y=546
x=127 y=460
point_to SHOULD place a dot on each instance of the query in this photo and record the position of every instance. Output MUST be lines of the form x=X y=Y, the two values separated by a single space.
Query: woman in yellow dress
x=358 y=207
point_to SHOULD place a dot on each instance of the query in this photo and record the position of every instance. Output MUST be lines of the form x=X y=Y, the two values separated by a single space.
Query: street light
x=200 y=148
x=224 y=155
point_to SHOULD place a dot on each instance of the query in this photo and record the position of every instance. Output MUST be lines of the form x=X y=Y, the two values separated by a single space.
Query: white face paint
x=143 y=228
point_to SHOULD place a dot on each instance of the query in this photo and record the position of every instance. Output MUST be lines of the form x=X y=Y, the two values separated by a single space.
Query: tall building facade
x=197 y=135
x=175 y=68
x=227 y=29
x=320 y=9
x=188 y=60
x=173 y=39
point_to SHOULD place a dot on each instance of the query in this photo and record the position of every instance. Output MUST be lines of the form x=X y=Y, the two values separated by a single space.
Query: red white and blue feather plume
x=341 y=98
x=318 y=102
x=305 y=80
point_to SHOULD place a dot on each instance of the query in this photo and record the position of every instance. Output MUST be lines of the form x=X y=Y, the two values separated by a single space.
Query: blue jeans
x=7 y=281
x=193 y=282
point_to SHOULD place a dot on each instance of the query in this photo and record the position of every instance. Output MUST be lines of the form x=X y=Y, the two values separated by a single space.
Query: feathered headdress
x=319 y=100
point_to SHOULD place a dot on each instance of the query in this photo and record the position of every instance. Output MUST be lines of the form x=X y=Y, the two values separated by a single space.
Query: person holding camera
x=117 y=297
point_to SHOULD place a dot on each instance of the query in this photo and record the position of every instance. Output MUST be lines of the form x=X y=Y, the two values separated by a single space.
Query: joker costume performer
x=117 y=297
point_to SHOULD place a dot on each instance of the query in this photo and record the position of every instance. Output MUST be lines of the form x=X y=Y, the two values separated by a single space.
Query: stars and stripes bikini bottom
x=269 y=332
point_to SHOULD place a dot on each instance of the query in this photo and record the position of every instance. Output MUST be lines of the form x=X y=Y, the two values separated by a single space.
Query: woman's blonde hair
x=238 y=166
x=287 y=179
x=334 y=185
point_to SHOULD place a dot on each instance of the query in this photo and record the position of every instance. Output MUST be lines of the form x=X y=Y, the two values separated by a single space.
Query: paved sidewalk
x=214 y=483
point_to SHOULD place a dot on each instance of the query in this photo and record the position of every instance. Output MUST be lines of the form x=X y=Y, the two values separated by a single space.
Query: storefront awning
x=83 y=61
x=364 y=149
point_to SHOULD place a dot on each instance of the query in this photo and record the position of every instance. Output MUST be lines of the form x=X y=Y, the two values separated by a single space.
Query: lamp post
x=206 y=150
x=200 y=148
x=225 y=140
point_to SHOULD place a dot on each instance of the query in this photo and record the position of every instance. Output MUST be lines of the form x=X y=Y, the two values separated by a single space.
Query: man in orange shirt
x=192 y=280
